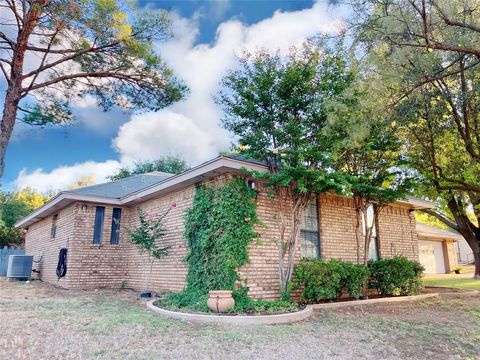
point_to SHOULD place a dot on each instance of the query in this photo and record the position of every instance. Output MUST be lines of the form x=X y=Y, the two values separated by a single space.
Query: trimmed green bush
x=354 y=277
x=327 y=280
x=319 y=279
x=396 y=276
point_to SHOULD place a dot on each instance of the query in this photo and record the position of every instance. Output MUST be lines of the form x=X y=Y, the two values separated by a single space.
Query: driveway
x=41 y=322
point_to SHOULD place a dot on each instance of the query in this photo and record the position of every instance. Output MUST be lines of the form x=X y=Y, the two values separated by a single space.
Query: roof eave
x=58 y=202
x=213 y=167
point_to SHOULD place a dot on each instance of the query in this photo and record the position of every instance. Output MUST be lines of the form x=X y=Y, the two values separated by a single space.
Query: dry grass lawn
x=38 y=321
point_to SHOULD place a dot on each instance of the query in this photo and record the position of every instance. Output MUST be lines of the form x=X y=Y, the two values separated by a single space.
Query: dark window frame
x=98 y=225
x=305 y=232
x=53 y=230
x=115 y=229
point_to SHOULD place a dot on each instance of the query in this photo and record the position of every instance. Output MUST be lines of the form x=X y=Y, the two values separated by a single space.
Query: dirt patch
x=42 y=322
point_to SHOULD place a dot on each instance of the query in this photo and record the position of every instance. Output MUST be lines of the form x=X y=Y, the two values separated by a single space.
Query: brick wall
x=106 y=265
x=45 y=249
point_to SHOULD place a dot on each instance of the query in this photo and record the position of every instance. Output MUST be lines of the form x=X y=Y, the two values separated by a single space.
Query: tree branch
x=442 y=218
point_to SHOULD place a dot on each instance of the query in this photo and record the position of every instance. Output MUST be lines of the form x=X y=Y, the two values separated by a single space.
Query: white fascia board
x=64 y=199
x=417 y=203
x=217 y=165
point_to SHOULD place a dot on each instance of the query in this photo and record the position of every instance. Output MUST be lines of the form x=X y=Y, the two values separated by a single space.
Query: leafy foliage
x=13 y=207
x=321 y=280
x=146 y=235
x=278 y=108
x=168 y=164
x=81 y=49
x=396 y=276
x=427 y=61
x=218 y=231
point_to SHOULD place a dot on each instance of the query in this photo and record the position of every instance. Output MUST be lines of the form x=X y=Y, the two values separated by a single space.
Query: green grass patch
x=462 y=281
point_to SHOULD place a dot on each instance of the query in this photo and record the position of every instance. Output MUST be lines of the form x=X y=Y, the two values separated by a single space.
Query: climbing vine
x=218 y=230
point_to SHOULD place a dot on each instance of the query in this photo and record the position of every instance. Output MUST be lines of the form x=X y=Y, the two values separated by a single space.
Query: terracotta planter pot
x=220 y=301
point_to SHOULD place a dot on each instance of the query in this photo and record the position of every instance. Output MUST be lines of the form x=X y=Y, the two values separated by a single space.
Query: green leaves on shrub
x=396 y=276
x=320 y=280
x=354 y=276
x=326 y=280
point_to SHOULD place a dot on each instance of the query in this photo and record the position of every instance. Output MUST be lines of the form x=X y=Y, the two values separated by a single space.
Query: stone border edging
x=289 y=318
x=286 y=318
x=341 y=304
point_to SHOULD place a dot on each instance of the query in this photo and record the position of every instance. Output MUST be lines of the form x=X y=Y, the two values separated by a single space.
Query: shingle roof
x=245 y=159
x=432 y=231
x=123 y=187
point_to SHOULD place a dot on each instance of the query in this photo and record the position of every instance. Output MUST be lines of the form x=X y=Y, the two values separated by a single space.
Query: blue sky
x=207 y=36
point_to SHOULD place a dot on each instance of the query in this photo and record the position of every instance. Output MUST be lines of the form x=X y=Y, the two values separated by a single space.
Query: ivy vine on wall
x=218 y=230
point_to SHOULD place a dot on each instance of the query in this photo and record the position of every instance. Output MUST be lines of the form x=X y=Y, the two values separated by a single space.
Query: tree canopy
x=278 y=107
x=427 y=58
x=14 y=206
x=55 y=52
x=167 y=164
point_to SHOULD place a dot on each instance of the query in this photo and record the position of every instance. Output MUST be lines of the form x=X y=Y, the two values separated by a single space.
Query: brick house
x=92 y=222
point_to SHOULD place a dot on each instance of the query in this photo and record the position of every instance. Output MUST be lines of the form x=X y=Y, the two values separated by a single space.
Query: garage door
x=431 y=256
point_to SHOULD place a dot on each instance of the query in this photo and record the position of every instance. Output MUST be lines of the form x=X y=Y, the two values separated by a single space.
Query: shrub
x=323 y=280
x=396 y=276
x=319 y=279
x=354 y=277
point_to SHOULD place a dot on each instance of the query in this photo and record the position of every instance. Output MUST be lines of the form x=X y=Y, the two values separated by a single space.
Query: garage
x=436 y=249
x=431 y=256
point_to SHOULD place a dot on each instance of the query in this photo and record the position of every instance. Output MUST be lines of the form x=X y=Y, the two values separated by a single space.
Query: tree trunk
x=14 y=90
x=7 y=123
x=476 y=256
x=467 y=229
x=288 y=248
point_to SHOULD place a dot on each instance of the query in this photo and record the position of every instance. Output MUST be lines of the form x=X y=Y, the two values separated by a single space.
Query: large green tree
x=277 y=106
x=53 y=52
x=427 y=56
x=14 y=206
x=168 y=164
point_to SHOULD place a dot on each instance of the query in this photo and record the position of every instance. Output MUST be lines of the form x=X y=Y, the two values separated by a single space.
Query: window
x=53 y=231
x=309 y=235
x=373 y=248
x=98 y=227
x=115 y=234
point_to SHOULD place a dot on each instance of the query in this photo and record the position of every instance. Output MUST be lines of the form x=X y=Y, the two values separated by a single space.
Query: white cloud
x=191 y=128
x=143 y=138
x=202 y=66
x=61 y=177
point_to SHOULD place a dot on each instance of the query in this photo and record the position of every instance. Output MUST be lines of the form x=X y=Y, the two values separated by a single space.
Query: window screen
x=98 y=227
x=115 y=234
x=53 y=231
x=373 y=248
x=309 y=234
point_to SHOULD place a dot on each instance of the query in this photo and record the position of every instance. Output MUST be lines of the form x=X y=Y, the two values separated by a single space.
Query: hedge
x=327 y=280
x=396 y=276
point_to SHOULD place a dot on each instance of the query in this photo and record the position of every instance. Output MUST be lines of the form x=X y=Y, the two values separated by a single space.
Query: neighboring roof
x=417 y=203
x=427 y=231
x=123 y=187
x=135 y=189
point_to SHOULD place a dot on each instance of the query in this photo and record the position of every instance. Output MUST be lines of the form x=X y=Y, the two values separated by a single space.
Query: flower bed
x=254 y=308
